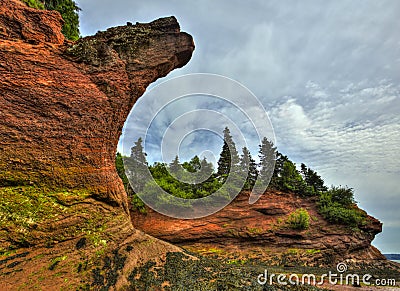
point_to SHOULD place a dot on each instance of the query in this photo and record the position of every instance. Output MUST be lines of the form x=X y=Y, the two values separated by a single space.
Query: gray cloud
x=328 y=73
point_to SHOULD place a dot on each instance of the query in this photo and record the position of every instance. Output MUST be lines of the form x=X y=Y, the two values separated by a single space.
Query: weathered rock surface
x=259 y=231
x=63 y=209
x=63 y=107
x=30 y=25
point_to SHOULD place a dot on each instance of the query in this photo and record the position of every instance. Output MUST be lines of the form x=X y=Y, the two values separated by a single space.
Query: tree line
x=198 y=178
x=273 y=165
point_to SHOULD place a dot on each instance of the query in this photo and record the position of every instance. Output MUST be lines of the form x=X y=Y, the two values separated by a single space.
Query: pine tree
x=304 y=171
x=119 y=164
x=206 y=170
x=175 y=168
x=203 y=176
x=229 y=155
x=245 y=160
x=267 y=155
x=136 y=165
x=68 y=10
x=34 y=4
x=313 y=180
x=137 y=152
x=291 y=179
x=249 y=167
x=276 y=180
x=253 y=172
x=195 y=163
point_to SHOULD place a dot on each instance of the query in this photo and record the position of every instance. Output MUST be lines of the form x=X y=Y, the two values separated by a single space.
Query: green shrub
x=299 y=219
x=138 y=204
x=342 y=195
x=338 y=214
x=337 y=205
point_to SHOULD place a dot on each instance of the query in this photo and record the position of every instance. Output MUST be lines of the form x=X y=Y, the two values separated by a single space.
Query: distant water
x=393 y=257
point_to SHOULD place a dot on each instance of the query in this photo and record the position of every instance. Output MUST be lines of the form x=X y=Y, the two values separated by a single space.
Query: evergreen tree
x=267 y=155
x=245 y=160
x=249 y=166
x=34 y=4
x=119 y=164
x=136 y=165
x=206 y=170
x=342 y=195
x=69 y=12
x=193 y=165
x=178 y=170
x=276 y=180
x=279 y=162
x=291 y=179
x=159 y=170
x=304 y=171
x=175 y=167
x=229 y=155
x=253 y=173
x=203 y=171
x=136 y=202
x=137 y=152
x=313 y=180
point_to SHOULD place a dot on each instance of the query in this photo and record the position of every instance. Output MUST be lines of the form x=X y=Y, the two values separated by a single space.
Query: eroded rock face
x=29 y=25
x=63 y=106
x=259 y=231
x=63 y=208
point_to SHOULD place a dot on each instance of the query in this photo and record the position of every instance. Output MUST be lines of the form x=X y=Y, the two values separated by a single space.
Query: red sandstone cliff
x=258 y=231
x=63 y=207
x=63 y=106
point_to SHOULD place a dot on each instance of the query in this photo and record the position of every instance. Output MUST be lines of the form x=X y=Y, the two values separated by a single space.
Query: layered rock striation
x=63 y=208
x=63 y=105
x=260 y=231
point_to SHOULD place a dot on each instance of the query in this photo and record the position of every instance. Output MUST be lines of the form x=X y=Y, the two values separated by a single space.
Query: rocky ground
x=253 y=238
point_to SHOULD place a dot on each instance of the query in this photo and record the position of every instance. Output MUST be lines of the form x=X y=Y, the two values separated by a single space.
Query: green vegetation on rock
x=337 y=204
x=24 y=209
x=299 y=219
x=135 y=201
x=34 y=4
x=181 y=273
x=28 y=205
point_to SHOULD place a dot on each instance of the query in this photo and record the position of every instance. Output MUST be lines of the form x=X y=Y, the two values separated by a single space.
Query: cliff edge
x=63 y=213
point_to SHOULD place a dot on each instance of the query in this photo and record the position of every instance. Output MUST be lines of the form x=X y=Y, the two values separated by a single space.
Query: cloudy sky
x=328 y=74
